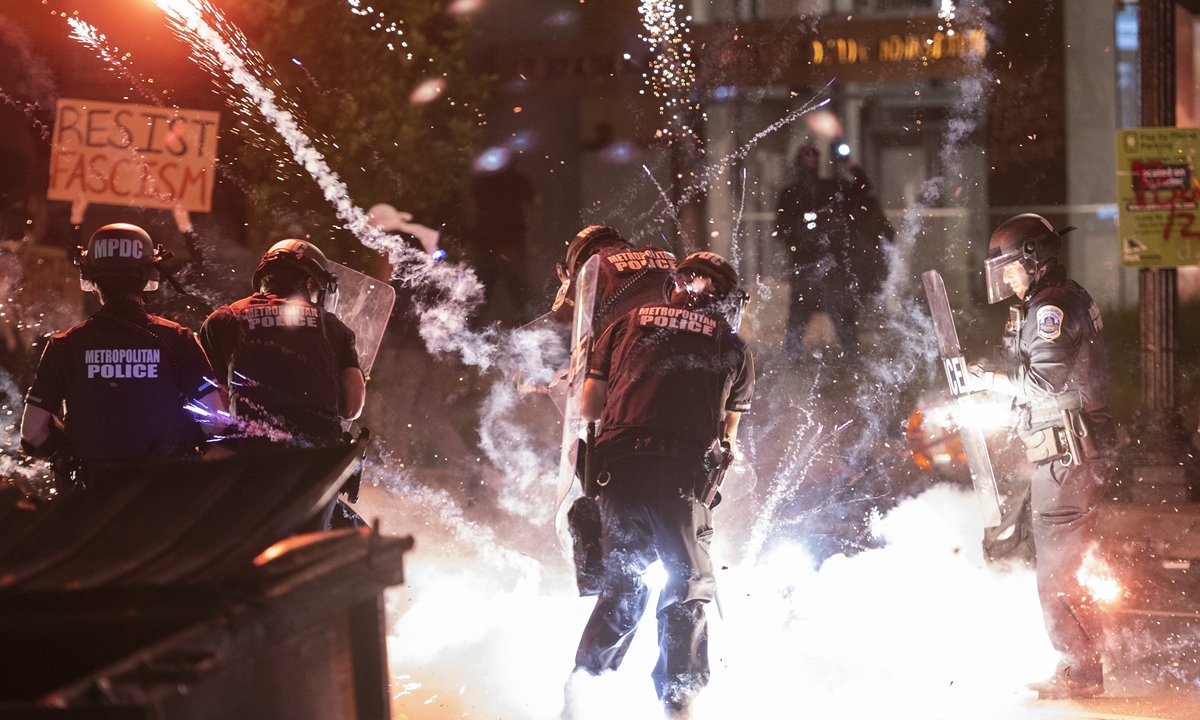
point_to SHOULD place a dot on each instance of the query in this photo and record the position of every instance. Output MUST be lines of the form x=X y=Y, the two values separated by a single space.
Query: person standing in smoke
x=1056 y=370
x=498 y=202
x=289 y=366
x=122 y=385
x=668 y=382
x=834 y=230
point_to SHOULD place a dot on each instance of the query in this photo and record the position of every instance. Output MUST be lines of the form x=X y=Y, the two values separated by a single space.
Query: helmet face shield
x=736 y=307
x=997 y=288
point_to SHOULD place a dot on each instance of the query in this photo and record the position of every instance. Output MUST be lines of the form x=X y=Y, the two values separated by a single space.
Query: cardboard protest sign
x=139 y=155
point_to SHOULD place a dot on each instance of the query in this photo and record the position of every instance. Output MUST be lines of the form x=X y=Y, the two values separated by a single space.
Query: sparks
x=224 y=50
x=91 y=38
x=673 y=72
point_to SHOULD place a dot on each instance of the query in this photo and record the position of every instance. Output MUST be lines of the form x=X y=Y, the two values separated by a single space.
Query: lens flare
x=428 y=91
x=464 y=7
x=825 y=124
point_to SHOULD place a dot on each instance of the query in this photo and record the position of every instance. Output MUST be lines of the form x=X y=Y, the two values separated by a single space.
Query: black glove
x=46 y=450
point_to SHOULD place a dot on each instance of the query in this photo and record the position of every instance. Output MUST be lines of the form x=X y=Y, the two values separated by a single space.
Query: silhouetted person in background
x=499 y=252
x=834 y=231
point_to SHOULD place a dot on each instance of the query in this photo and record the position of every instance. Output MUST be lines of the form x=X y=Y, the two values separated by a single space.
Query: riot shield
x=364 y=305
x=557 y=389
x=973 y=442
x=574 y=426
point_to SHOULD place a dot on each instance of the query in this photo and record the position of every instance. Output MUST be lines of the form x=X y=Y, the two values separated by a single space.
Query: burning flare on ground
x=1095 y=575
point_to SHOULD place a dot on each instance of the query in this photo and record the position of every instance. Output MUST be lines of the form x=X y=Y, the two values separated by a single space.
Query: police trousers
x=649 y=511
x=1064 y=503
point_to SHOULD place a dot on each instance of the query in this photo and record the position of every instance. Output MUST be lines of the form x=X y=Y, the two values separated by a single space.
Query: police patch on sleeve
x=1049 y=322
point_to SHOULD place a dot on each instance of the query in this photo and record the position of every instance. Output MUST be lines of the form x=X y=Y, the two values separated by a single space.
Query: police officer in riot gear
x=668 y=382
x=123 y=384
x=288 y=364
x=628 y=277
x=1057 y=372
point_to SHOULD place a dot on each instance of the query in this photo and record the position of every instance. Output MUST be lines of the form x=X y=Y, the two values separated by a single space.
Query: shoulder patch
x=1049 y=322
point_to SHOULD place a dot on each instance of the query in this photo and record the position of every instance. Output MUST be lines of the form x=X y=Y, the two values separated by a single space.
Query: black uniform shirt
x=123 y=377
x=671 y=371
x=1061 y=347
x=282 y=360
x=628 y=278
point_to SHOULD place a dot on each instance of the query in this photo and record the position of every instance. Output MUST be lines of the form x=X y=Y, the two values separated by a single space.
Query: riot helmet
x=1027 y=239
x=306 y=257
x=118 y=250
x=587 y=243
x=722 y=289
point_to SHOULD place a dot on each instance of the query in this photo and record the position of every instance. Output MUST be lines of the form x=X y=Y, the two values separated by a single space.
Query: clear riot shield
x=574 y=427
x=364 y=305
x=973 y=442
x=557 y=389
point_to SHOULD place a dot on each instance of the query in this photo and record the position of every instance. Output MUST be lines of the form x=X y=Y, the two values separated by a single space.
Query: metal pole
x=1157 y=287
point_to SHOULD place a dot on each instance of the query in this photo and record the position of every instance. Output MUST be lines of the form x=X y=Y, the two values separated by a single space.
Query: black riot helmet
x=1028 y=239
x=118 y=250
x=587 y=243
x=306 y=257
x=725 y=294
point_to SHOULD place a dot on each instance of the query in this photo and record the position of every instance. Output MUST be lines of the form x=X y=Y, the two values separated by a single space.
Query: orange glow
x=463 y=7
x=296 y=542
x=1095 y=575
x=271 y=553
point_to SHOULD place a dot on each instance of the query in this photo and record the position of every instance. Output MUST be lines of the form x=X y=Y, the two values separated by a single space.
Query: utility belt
x=592 y=467
x=713 y=457
x=1060 y=429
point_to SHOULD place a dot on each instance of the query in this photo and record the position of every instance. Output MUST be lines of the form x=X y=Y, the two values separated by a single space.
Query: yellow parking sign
x=1157 y=196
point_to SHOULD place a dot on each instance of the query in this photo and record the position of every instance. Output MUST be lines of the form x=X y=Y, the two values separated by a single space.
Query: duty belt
x=649 y=444
x=1057 y=428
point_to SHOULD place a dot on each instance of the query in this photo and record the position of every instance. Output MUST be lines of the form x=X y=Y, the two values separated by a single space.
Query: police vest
x=628 y=279
x=282 y=374
x=126 y=393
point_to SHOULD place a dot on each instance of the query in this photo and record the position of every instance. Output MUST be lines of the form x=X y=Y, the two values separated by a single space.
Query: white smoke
x=918 y=629
x=529 y=357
